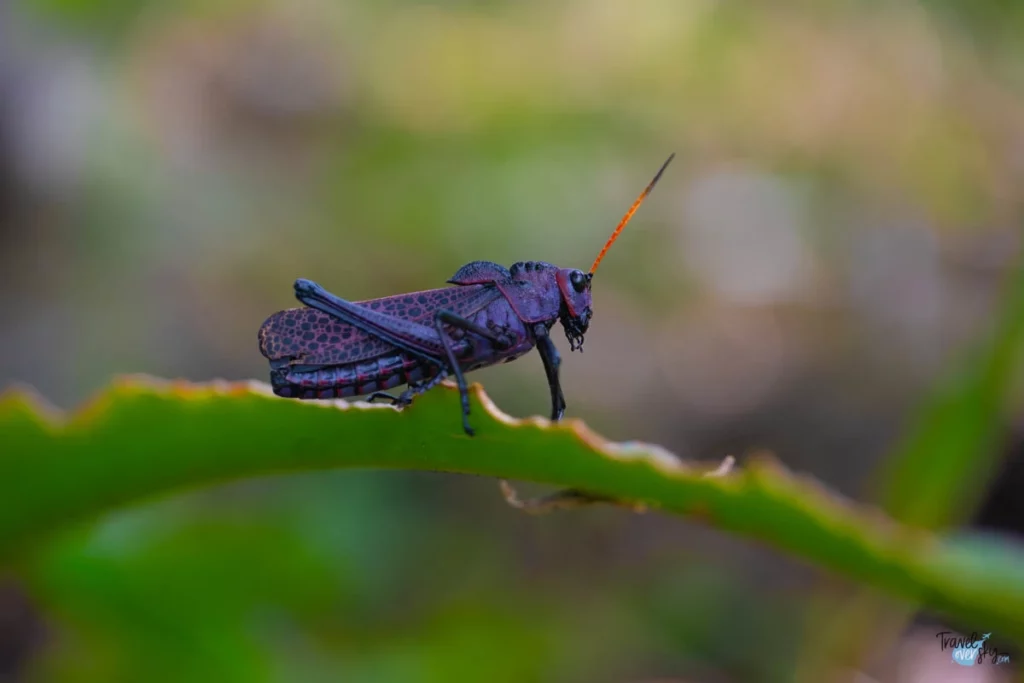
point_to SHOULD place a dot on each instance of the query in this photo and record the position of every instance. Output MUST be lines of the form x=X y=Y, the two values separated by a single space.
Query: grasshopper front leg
x=552 y=360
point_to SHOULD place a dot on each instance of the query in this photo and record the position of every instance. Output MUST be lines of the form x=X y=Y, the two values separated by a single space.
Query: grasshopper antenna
x=629 y=214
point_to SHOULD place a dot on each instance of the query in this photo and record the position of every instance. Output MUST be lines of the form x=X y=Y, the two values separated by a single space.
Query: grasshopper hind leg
x=399 y=401
x=405 y=398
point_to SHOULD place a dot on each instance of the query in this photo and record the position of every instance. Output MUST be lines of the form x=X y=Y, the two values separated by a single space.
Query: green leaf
x=142 y=438
x=939 y=472
x=933 y=480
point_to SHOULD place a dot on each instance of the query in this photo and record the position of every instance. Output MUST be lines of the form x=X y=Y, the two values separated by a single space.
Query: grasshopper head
x=575 y=312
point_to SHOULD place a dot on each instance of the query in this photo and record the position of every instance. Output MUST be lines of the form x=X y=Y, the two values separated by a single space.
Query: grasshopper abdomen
x=346 y=381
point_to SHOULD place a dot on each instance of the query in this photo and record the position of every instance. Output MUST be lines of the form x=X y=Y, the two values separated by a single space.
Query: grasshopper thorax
x=547 y=293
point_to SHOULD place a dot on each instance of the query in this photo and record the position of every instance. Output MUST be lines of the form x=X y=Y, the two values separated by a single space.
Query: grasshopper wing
x=309 y=337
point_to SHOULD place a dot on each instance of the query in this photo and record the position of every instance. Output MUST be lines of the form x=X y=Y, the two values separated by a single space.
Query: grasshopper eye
x=578 y=280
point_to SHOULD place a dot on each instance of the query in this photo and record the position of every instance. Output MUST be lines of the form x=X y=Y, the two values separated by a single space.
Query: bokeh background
x=832 y=238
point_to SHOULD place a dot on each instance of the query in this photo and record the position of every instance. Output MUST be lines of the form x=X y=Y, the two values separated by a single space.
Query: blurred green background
x=844 y=206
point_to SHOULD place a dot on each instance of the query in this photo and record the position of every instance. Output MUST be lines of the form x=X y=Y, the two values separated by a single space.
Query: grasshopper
x=491 y=314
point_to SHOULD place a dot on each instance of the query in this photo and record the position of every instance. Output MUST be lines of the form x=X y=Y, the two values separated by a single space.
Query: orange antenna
x=629 y=214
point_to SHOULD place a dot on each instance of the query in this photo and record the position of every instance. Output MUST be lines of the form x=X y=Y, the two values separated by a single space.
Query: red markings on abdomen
x=366 y=377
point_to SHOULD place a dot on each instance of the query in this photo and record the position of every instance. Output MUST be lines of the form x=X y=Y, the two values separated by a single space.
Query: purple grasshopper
x=492 y=314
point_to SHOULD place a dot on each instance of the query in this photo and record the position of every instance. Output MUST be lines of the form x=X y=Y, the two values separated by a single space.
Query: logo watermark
x=973 y=650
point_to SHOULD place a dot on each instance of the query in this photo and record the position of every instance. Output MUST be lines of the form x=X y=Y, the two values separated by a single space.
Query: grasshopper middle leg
x=445 y=317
